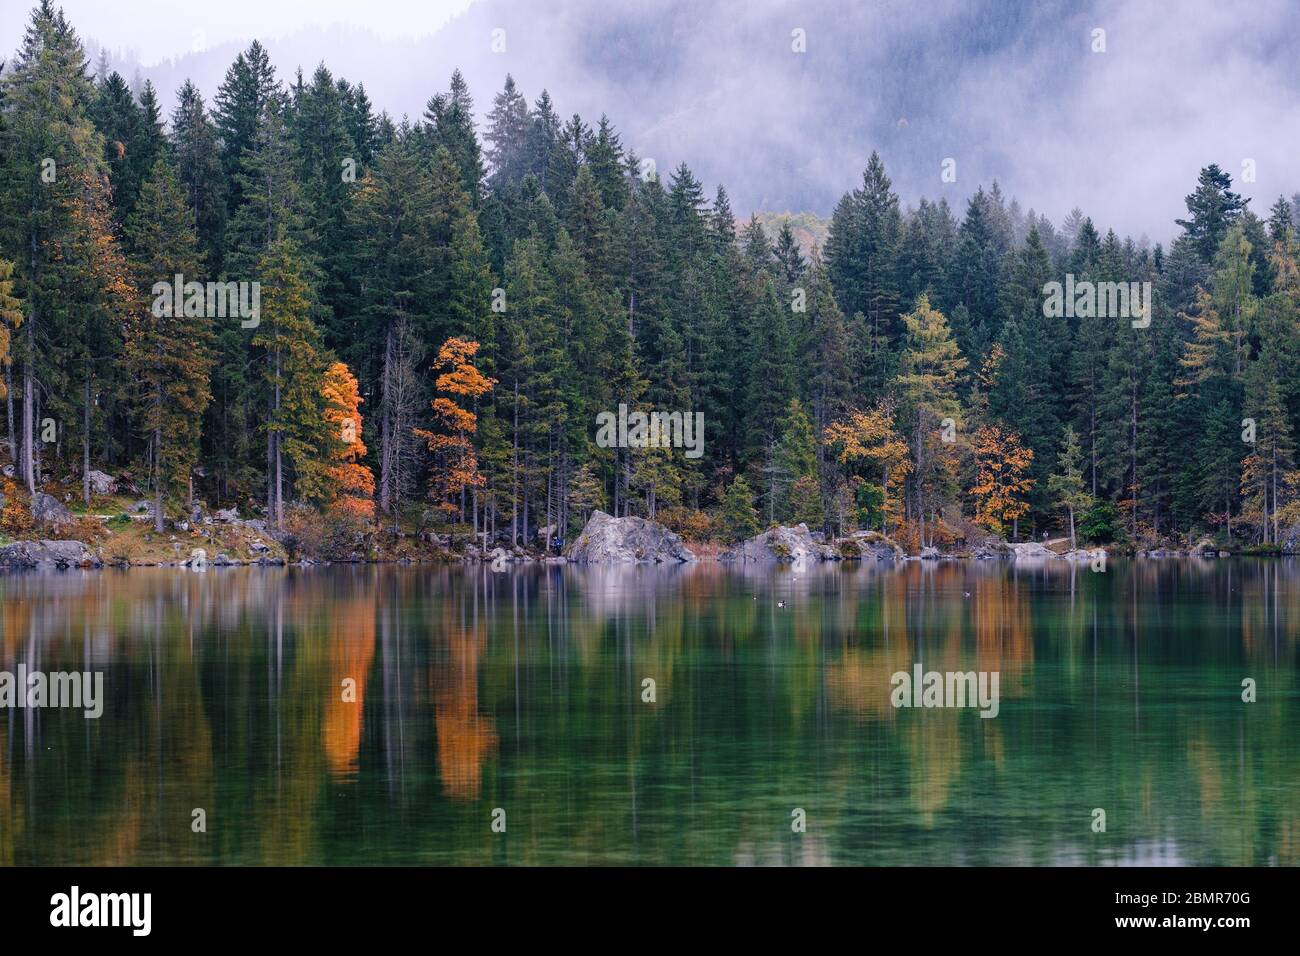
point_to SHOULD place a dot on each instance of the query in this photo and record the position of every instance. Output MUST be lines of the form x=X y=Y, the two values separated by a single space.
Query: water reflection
x=379 y=715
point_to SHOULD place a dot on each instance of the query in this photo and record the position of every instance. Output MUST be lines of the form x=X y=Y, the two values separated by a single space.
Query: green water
x=475 y=690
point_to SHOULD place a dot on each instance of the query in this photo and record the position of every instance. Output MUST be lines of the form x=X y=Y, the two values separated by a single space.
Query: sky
x=157 y=30
x=1012 y=91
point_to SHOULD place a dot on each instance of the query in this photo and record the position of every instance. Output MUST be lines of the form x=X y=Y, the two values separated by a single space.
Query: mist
x=1013 y=93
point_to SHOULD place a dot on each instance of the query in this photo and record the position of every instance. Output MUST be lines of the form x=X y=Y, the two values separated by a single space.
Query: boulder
x=225 y=515
x=868 y=546
x=48 y=554
x=929 y=554
x=992 y=549
x=101 y=484
x=1031 y=551
x=48 y=510
x=1084 y=554
x=782 y=543
x=198 y=558
x=142 y=507
x=610 y=540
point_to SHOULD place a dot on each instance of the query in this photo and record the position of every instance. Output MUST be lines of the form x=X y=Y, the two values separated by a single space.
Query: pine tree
x=932 y=366
x=1066 y=483
x=862 y=250
x=293 y=368
x=507 y=131
x=52 y=202
x=168 y=343
x=738 y=517
x=198 y=163
x=449 y=124
x=1212 y=208
x=241 y=100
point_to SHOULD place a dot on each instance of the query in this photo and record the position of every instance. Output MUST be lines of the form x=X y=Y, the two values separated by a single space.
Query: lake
x=450 y=715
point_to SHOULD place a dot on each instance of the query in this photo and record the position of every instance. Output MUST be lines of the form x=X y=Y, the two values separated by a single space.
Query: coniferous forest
x=446 y=306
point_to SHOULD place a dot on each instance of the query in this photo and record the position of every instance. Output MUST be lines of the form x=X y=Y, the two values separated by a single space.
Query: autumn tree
x=869 y=439
x=1001 y=485
x=351 y=484
x=455 y=462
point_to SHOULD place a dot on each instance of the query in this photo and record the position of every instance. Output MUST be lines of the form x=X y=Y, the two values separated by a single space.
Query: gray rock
x=992 y=549
x=1031 y=551
x=868 y=546
x=610 y=540
x=142 y=507
x=782 y=543
x=48 y=510
x=929 y=554
x=1084 y=554
x=225 y=515
x=48 y=554
x=102 y=484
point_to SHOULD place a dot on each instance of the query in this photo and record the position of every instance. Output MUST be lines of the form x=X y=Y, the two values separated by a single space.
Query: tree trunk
x=386 y=429
x=157 y=480
x=85 y=446
x=9 y=407
x=28 y=471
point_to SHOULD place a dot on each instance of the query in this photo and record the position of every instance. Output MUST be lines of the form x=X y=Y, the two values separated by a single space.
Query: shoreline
x=555 y=561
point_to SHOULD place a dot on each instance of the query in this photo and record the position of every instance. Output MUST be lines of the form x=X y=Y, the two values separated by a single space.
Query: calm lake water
x=523 y=690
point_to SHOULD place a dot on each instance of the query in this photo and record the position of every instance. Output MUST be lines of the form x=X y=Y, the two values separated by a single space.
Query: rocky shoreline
x=604 y=540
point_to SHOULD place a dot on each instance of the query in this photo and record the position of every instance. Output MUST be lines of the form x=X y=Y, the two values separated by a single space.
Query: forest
x=446 y=310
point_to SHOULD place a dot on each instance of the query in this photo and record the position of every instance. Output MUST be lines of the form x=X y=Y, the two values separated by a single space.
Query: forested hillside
x=444 y=311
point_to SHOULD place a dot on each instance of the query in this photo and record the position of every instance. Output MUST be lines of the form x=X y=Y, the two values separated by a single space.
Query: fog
x=1010 y=92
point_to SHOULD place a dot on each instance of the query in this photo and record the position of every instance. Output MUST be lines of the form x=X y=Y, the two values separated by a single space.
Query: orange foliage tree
x=351 y=482
x=870 y=438
x=455 y=462
x=1001 y=484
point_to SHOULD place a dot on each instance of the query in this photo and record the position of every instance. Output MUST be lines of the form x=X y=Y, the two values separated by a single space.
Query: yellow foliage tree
x=1001 y=484
x=455 y=462
x=869 y=438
